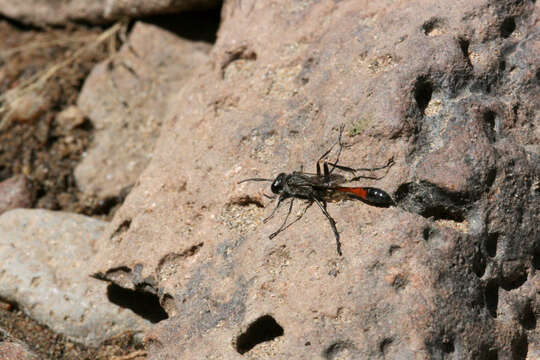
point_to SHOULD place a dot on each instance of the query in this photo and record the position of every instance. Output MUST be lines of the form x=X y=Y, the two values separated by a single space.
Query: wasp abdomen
x=378 y=196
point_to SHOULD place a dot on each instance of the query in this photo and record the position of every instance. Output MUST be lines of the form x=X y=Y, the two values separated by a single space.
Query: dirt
x=49 y=345
x=43 y=149
x=46 y=152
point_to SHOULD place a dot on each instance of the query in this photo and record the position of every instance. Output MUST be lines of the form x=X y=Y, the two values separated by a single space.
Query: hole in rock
x=430 y=201
x=423 y=90
x=514 y=279
x=340 y=350
x=491 y=296
x=489 y=125
x=440 y=212
x=144 y=304
x=489 y=353
x=263 y=329
x=431 y=25
x=447 y=346
x=507 y=27
x=464 y=46
x=479 y=264
x=527 y=317
x=520 y=347
x=536 y=260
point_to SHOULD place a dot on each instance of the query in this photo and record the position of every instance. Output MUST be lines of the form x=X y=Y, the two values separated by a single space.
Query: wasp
x=322 y=187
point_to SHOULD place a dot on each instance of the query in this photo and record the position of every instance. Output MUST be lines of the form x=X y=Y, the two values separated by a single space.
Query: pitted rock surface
x=448 y=90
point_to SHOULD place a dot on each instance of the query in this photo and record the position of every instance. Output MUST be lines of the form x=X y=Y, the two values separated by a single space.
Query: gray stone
x=125 y=98
x=44 y=258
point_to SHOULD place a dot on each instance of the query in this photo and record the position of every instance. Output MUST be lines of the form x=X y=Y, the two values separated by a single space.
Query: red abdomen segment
x=368 y=194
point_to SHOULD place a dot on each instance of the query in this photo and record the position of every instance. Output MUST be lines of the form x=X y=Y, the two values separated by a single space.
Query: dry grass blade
x=37 y=81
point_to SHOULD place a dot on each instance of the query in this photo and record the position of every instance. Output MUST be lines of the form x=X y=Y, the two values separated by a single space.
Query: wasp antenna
x=255 y=179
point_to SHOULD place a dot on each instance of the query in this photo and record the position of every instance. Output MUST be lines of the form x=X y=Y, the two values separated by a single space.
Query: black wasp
x=323 y=186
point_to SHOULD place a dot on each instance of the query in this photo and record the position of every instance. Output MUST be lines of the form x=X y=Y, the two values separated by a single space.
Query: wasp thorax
x=278 y=183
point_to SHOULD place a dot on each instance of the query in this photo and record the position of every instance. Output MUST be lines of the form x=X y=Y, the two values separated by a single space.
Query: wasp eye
x=277 y=185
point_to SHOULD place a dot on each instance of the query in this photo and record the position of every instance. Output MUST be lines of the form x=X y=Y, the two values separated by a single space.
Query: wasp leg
x=299 y=217
x=280 y=200
x=332 y=224
x=283 y=227
x=326 y=172
x=341 y=146
x=353 y=171
x=334 y=144
x=388 y=164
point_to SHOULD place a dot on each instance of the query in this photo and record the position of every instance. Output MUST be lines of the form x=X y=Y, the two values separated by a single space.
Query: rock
x=125 y=100
x=15 y=192
x=43 y=269
x=70 y=118
x=431 y=277
x=42 y=13
x=10 y=350
x=26 y=107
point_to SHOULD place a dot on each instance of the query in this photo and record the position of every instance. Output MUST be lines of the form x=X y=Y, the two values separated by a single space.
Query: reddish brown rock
x=15 y=192
x=443 y=89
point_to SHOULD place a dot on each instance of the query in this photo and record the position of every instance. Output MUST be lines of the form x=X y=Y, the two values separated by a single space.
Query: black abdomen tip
x=378 y=197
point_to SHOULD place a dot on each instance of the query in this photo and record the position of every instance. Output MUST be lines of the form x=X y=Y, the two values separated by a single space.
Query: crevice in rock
x=172 y=258
x=384 y=345
x=491 y=298
x=338 y=350
x=19 y=25
x=423 y=90
x=144 y=304
x=122 y=228
x=261 y=330
x=195 y=25
x=246 y=200
x=242 y=52
x=507 y=27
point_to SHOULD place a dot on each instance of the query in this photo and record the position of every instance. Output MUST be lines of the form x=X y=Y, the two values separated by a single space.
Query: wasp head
x=279 y=182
